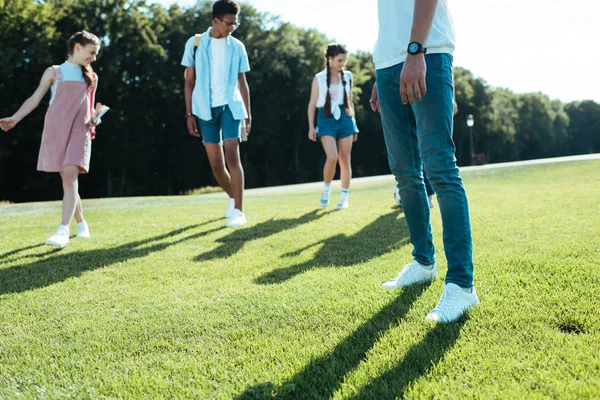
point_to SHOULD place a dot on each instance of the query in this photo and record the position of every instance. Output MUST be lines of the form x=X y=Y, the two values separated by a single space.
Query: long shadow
x=232 y=243
x=58 y=268
x=417 y=363
x=17 y=251
x=374 y=240
x=321 y=378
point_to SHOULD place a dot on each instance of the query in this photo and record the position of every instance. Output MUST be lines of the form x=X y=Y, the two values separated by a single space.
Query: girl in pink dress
x=68 y=129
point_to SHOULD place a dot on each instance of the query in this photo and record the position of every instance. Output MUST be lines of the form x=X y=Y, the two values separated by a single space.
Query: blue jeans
x=417 y=137
x=221 y=127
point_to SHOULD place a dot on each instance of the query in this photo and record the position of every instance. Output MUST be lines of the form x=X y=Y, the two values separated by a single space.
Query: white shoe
x=342 y=204
x=230 y=208
x=324 y=200
x=83 y=230
x=60 y=238
x=411 y=274
x=453 y=303
x=238 y=218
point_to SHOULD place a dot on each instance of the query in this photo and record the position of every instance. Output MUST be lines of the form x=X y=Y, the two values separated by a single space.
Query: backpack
x=196 y=44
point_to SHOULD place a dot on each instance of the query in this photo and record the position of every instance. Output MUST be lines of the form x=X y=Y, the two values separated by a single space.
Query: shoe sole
x=433 y=278
x=55 y=244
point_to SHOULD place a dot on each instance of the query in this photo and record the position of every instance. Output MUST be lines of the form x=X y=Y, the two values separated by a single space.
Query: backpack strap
x=196 y=44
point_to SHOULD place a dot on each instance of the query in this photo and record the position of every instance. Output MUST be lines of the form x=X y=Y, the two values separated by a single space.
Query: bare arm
x=312 y=105
x=31 y=103
x=245 y=92
x=190 y=81
x=412 y=78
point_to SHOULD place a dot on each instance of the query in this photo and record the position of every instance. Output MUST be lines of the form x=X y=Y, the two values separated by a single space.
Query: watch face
x=413 y=47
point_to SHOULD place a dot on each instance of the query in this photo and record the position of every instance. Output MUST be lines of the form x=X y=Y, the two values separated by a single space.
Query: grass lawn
x=165 y=302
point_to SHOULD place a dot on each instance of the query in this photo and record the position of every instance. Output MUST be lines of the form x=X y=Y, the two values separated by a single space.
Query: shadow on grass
x=232 y=243
x=6 y=255
x=58 y=268
x=374 y=240
x=323 y=377
x=417 y=362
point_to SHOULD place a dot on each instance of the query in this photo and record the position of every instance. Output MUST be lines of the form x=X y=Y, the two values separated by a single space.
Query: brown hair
x=333 y=50
x=84 y=38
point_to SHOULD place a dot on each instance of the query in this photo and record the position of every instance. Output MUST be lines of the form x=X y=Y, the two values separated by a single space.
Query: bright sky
x=549 y=46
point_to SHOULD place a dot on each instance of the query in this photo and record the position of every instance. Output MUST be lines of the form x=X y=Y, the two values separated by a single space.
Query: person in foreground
x=414 y=94
x=217 y=93
x=331 y=94
x=68 y=128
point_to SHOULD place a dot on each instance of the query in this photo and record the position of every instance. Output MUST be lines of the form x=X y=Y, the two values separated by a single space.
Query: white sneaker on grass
x=324 y=200
x=238 y=218
x=83 y=230
x=342 y=204
x=60 y=238
x=230 y=208
x=453 y=303
x=411 y=274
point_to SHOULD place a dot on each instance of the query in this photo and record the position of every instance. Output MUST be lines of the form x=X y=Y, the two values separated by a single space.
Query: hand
x=248 y=124
x=192 y=126
x=412 y=79
x=455 y=107
x=6 y=124
x=374 y=102
x=355 y=137
x=312 y=134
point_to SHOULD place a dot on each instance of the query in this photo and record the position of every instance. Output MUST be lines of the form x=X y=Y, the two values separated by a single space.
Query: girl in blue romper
x=336 y=128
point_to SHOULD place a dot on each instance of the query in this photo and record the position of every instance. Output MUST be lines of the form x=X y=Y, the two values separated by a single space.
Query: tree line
x=143 y=148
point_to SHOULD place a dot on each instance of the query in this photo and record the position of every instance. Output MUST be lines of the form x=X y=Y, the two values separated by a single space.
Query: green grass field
x=164 y=302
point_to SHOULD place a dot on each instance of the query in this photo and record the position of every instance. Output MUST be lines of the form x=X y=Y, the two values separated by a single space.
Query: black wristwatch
x=416 y=48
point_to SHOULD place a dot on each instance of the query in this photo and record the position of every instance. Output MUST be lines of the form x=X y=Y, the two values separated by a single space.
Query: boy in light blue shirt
x=217 y=94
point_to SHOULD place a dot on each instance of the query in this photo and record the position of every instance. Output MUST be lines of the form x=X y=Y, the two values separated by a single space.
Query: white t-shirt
x=395 y=23
x=218 y=79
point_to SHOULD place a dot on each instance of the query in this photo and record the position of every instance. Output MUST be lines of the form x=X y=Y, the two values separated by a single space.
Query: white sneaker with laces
x=324 y=200
x=230 y=208
x=411 y=274
x=60 y=238
x=238 y=218
x=83 y=230
x=453 y=303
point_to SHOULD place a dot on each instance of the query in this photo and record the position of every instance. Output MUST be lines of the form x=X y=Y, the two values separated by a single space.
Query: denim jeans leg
x=434 y=120
x=400 y=135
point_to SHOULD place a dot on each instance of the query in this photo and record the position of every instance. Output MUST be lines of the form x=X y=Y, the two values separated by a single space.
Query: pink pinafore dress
x=67 y=139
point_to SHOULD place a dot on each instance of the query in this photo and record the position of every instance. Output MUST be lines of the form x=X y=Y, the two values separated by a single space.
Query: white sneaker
x=342 y=204
x=60 y=238
x=324 y=200
x=453 y=303
x=83 y=230
x=238 y=218
x=230 y=208
x=411 y=274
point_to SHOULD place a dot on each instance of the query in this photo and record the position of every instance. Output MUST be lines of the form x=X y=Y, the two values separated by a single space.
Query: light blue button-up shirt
x=236 y=61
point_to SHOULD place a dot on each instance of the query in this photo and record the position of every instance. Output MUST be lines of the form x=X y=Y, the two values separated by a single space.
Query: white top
x=218 y=76
x=70 y=72
x=395 y=23
x=338 y=98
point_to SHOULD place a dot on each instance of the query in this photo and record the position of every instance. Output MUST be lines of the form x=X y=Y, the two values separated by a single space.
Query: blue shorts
x=338 y=128
x=222 y=122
